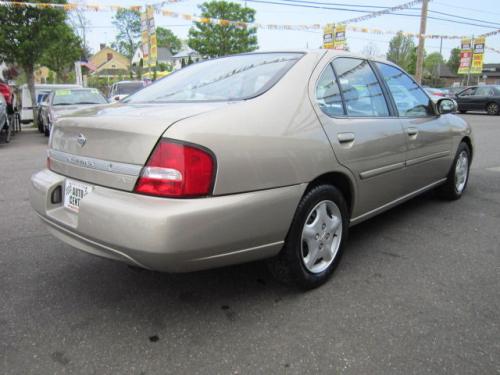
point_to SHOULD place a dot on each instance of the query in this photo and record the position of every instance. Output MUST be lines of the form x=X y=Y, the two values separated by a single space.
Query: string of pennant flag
x=159 y=9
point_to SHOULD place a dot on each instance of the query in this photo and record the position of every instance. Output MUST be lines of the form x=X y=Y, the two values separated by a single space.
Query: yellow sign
x=153 y=48
x=144 y=38
x=339 y=40
x=328 y=36
x=478 y=56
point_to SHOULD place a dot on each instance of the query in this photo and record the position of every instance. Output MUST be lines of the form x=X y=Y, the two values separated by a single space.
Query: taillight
x=177 y=170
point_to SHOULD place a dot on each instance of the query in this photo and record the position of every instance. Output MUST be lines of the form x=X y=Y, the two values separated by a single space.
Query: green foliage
x=128 y=23
x=400 y=50
x=166 y=38
x=431 y=66
x=454 y=60
x=60 y=55
x=221 y=40
x=26 y=33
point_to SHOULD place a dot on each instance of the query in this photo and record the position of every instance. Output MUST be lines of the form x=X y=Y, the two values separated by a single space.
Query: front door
x=366 y=136
x=428 y=158
x=466 y=99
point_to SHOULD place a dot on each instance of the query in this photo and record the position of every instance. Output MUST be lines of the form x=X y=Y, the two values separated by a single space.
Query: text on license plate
x=74 y=191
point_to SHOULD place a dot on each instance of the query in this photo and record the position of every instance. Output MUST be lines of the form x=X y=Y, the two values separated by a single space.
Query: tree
x=80 y=24
x=63 y=52
x=25 y=34
x=166 y=38
x=454 y=60
x=128 y=23
x=220 y=40
x=371 y=50
x=431 y=65
x=400 y=50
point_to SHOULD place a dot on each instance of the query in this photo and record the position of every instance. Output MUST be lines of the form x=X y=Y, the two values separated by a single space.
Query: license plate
x=74 y=192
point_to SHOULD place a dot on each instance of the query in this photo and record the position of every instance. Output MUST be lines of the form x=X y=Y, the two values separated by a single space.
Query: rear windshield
x=128 y=88
x=75 y=97
x=228 y=78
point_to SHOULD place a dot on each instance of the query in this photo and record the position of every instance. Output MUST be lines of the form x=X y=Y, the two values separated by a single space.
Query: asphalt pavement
x=417 y=292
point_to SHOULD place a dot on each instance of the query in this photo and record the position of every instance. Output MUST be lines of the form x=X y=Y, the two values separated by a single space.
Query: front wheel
x=492 y=109
x=314 y=243
x=458 y=176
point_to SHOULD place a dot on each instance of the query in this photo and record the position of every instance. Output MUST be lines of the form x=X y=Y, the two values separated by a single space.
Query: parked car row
x=53 y=101
x=472 y=98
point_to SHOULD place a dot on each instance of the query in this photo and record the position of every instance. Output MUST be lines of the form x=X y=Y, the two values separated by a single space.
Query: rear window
x=224 y=79
x=74 y=97
x=128 y=88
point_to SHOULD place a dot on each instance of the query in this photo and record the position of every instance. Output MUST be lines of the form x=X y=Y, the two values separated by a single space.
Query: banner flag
x=465 y=56
x=328 y=32
x=144 y=38
x=339 y=40
x=153 y=48
x=478 y=55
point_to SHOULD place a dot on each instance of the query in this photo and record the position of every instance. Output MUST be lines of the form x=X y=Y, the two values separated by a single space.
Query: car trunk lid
x=108 y=145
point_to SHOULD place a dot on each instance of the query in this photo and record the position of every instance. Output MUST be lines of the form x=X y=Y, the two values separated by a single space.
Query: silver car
x=253 y=156
x=59 y=102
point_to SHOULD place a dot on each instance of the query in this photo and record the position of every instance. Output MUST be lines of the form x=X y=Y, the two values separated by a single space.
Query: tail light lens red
x=177 y=170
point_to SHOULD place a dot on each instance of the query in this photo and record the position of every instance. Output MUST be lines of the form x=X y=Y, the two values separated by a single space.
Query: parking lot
x=418 y=291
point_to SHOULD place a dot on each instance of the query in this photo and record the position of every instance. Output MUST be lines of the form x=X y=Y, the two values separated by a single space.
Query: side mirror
x=446 y=105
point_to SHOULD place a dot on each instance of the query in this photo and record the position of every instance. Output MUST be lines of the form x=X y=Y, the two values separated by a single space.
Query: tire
x=462 y=111
x=458 y=177
x=46 y=130
x=40 y=126
x=314 y=243
x=492 y=108
x=5 y=132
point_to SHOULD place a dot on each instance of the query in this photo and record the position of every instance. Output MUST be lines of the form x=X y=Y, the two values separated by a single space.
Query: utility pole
x=421 y=42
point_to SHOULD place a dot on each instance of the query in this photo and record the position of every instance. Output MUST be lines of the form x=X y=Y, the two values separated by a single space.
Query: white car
x=122 y=89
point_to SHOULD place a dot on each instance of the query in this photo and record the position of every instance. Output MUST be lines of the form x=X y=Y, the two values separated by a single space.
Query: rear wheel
x=462 y=111
x=458 y=176
x=314 y=243
x=492 y=109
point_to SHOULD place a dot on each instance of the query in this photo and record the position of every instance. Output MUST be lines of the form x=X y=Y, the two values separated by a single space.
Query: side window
x=328 y=93
x=468 y=92
x=483 y=91
x=410 y=99
x=361 y=90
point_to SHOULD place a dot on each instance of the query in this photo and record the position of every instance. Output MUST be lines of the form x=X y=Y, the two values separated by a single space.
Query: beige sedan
x=262 y=155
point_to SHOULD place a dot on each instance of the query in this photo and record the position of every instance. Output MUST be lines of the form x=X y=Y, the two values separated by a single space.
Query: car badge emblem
x=81 y=140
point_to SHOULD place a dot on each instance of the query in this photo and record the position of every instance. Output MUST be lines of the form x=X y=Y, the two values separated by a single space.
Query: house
x=109 y=63
x=182 y=57
x=489 y=76
x=165 y=56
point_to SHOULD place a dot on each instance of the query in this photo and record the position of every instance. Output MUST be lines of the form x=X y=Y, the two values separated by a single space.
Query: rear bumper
x=174 y=235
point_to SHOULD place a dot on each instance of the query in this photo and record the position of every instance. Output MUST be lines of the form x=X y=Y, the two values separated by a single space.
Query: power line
x=306 y=2
x=361 y=11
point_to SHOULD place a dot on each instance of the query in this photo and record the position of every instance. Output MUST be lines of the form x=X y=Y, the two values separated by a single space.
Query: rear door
x=481 y=97
x=427 y=134
x=366 y=136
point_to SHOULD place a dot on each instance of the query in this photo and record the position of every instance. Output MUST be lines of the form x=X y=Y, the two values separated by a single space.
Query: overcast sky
x=102 y=29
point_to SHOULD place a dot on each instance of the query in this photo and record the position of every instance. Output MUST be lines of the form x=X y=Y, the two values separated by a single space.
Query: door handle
x=345 y=137
x=412 y=131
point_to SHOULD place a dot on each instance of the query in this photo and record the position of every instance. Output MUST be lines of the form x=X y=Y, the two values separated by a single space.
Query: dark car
x=480 y=98
x=63 y=101
x=4 y=122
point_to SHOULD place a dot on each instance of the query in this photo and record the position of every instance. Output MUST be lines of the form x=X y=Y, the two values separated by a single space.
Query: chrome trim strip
x=395 y=202
x=425 y=158
x=87 y=241
x=96 y=164
x=381 y=170
x=237 y=251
